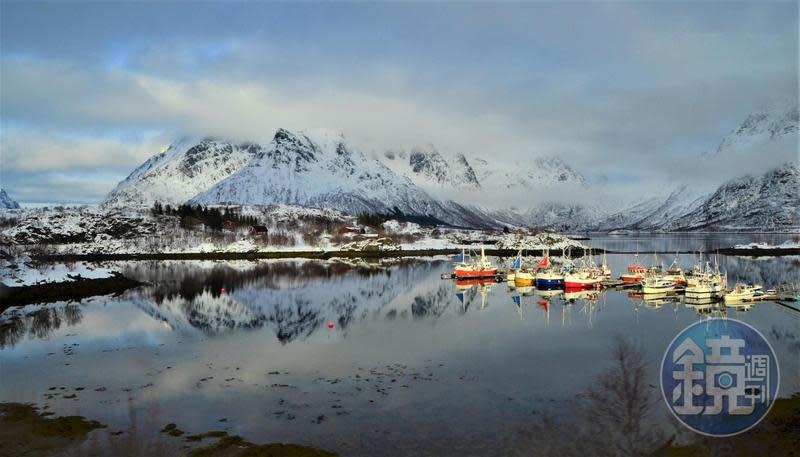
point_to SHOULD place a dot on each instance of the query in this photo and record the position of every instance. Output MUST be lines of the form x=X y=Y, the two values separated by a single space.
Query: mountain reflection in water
x=249 y=342
x=296 y=298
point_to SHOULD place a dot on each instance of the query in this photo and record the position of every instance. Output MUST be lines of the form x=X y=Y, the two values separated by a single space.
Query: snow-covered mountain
x=181 y=171
x=320 y=169
x=6 y=202
x=429 y=168
x=536 y=174
x=760 y=128
x=768 y=202
x=654 y=213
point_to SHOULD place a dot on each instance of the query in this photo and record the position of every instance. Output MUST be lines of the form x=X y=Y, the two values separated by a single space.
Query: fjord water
x=407 y=369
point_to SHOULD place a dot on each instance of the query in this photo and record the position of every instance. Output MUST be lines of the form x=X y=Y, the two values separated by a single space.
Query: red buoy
x=330 y=324
x=222 y=290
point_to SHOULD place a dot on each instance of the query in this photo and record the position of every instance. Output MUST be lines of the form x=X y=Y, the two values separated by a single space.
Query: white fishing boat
x=707 y=284
x=657 y=285
x=675 y=273
x=742 y=292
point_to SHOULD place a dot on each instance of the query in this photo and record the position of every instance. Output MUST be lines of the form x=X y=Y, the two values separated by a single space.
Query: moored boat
x=482 y=268
x=657 y=285
x=742 y=292
x=581 y=279
x=707 y=284
x=524 y=278
x=547 y=277
x=675 y=273
x=634 y=273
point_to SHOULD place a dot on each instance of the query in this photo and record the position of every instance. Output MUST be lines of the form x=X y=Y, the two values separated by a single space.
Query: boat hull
x=703 y=293
x=580 y=284
x=631 y=278
x=734 y=297
x=461 y=274
x=544 y=284
x=523 y=280
x=652 y=290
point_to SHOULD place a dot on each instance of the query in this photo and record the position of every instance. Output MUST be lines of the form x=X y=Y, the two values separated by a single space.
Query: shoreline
x=76 y=290
x=324 y=255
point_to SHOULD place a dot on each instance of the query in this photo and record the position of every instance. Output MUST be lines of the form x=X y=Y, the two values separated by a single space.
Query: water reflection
x=36 y=322
x=295 y=299
x=250 y=342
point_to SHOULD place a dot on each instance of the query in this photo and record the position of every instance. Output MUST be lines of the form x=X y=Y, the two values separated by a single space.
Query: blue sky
x=620 y=90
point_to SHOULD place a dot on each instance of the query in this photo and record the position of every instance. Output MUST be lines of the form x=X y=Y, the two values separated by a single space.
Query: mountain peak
x=764 y=126
x=6 y=202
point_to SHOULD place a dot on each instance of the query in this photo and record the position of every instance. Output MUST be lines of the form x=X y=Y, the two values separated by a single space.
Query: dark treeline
x=213 y=218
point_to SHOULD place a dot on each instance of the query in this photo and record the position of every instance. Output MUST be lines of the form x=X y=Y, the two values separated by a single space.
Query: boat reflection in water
x=261 y=330
x=483 y=286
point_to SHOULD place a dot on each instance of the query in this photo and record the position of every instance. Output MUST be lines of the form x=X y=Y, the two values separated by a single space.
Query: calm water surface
x=409 y=368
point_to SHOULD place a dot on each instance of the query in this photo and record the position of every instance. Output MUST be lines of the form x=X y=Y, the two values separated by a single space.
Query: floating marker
x=330 y=324
x=222 y=290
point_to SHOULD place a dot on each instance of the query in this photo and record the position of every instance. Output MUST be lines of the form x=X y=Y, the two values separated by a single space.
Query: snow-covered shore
x=23 y=272
x=88 y=231
x=789 y=244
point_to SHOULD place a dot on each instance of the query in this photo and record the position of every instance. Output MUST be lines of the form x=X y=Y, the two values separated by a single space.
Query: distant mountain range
x=321 y=169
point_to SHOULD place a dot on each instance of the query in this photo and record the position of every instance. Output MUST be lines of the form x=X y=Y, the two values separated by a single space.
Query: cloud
x=630 y=92
x=52 y=168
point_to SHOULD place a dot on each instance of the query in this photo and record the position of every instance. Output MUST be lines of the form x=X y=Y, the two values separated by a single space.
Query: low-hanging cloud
x=627 y=94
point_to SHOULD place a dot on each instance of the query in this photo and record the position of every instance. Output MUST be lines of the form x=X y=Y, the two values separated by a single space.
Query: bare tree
x=617 y=416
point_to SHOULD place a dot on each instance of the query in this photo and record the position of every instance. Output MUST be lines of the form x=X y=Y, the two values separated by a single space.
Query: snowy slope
x=761 y=128
x=430 y=169
x=539 y=173
x=6 y=202
x=319 y=169
x=768 y=202
x=655 y=213
x=180 y=172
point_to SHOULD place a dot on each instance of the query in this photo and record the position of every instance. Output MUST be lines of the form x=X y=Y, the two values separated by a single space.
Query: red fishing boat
x=635 y=273
x=483 y=268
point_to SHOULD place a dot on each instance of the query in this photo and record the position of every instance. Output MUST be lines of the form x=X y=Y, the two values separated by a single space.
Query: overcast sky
x=622 y=91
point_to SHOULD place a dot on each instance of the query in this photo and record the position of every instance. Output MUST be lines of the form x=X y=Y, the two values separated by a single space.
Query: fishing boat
x=482 y=268
x=524 y=278
x=582 y=278
x=547 y=277
x=657 y=285
x=602 y=271
x=742 y=292
x=635 y=272
x=586 y=276
x=708 y=284
x=675 y=273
